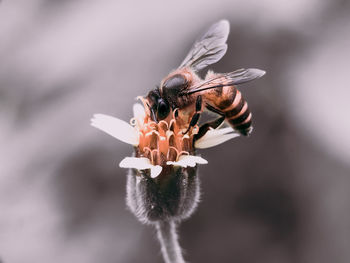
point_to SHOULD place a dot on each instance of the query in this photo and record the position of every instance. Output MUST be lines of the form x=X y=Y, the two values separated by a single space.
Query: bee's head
x=159 y=106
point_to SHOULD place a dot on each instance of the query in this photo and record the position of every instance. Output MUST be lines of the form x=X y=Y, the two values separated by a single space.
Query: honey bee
x=186 y=94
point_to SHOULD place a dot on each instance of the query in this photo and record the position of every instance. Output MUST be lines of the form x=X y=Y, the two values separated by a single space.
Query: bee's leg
x=206 y=126
x=211 y=108
x=195 y=117
x=176 y=113
x=213 y=124
x=153 y=115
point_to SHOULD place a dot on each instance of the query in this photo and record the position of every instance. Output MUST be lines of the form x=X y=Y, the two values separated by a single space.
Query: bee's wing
x=233 y=78
x=210 y=48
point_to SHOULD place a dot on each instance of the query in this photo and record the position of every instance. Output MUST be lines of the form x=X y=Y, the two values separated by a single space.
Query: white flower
x=138 y=134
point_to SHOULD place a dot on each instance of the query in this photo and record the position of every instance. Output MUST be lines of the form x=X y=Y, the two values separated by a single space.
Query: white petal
x=258 y=72
x=188 y=160
x=181 y=163
x=156 y=170
x=196 y=159
x=203 y=142
x=139 y=111
x=216 y=132
x=115 y=127
x=141 y=163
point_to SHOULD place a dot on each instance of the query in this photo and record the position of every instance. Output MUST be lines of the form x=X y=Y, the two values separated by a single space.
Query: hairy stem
x=171 y=250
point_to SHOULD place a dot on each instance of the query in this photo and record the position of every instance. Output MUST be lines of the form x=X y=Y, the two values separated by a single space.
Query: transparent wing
x=233 y=78
x=210 y=48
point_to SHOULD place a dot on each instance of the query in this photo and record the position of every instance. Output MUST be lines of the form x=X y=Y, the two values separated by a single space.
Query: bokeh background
x=282 y=195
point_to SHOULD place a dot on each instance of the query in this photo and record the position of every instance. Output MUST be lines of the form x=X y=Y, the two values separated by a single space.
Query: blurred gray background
x=282 y=195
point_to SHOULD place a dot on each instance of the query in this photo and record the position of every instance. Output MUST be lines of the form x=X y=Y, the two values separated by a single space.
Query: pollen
x=164 y=141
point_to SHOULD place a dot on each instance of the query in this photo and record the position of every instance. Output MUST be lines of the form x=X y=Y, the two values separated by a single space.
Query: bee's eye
x=163 y=109
x=173 y=85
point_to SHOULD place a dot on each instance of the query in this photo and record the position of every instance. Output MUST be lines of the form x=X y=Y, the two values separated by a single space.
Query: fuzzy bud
x=173 y=195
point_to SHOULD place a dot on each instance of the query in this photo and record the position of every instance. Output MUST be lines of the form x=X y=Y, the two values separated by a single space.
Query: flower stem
x=171 y=250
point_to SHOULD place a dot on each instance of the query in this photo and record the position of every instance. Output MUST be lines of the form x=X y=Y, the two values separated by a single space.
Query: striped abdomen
x=230 y=101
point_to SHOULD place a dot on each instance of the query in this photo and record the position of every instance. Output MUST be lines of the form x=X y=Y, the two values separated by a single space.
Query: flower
x=160 y=144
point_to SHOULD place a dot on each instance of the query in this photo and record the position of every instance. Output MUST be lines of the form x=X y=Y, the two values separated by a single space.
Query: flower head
x=161 y=144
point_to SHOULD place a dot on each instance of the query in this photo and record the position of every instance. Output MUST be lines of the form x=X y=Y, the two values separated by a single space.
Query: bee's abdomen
x=230 y=102
x=237 y=112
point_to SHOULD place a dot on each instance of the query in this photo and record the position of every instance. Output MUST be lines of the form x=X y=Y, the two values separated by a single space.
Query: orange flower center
x=164 y=141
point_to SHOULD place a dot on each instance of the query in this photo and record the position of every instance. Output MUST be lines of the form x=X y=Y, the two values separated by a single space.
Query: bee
x=186 y=94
